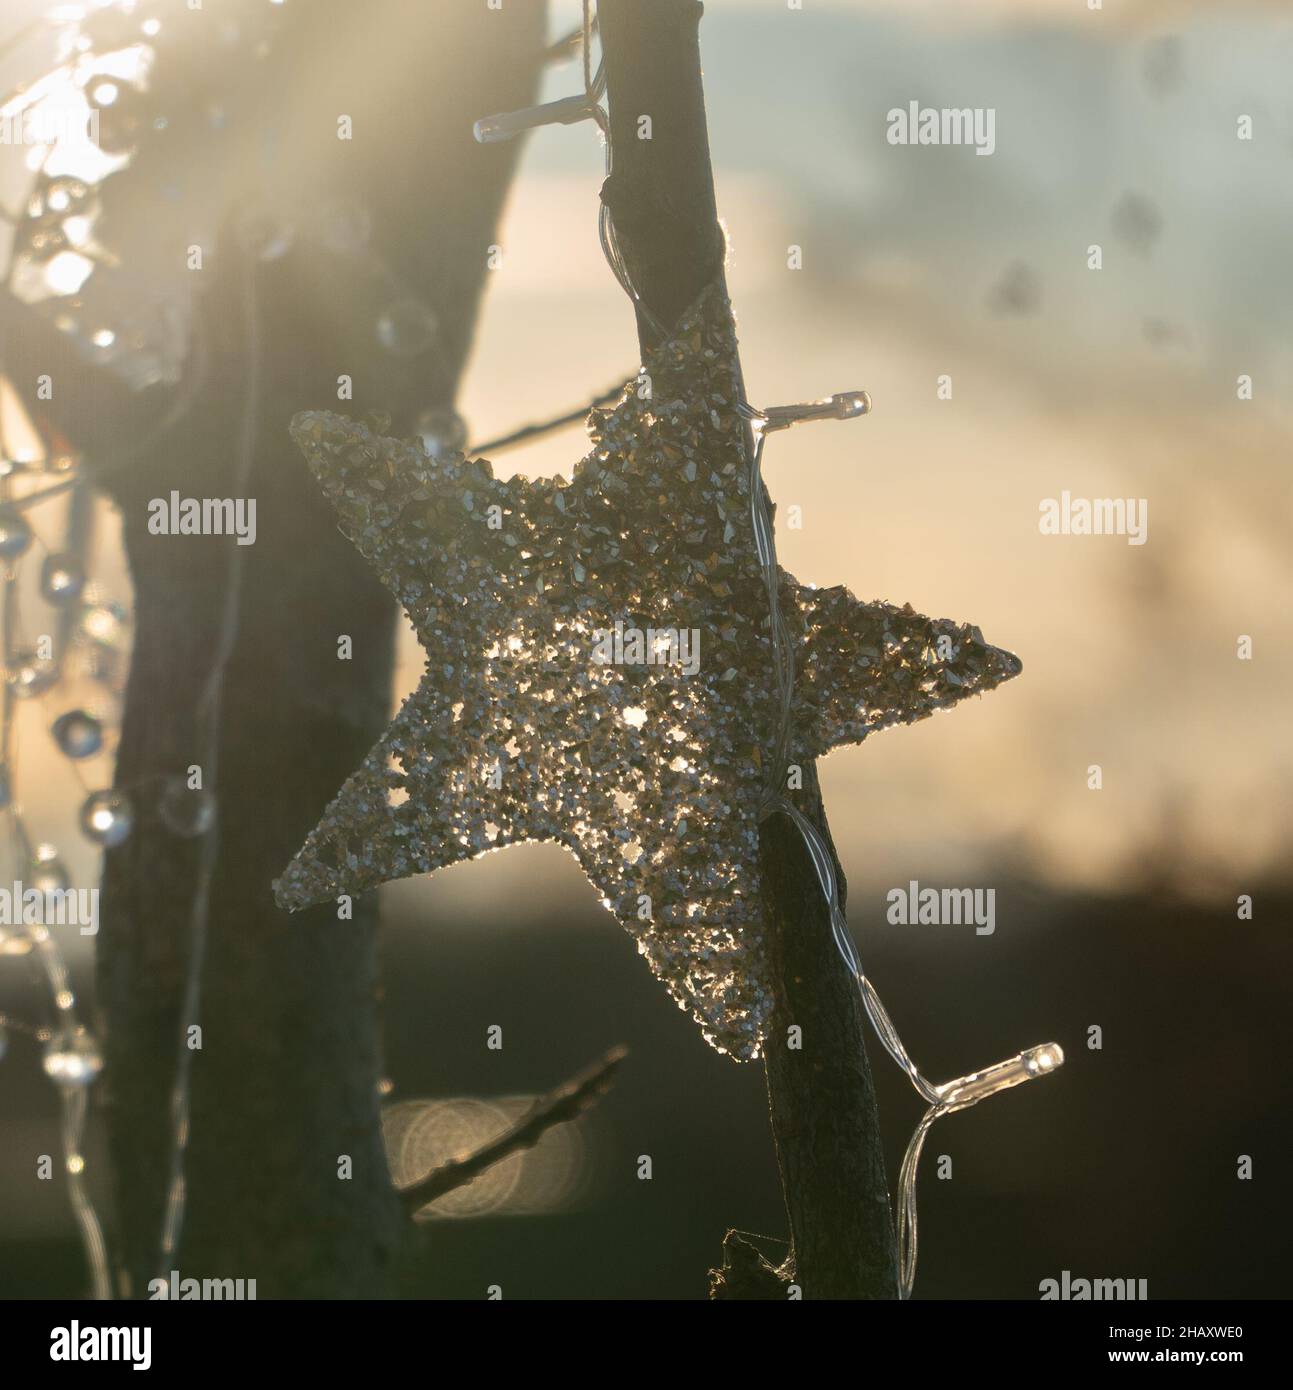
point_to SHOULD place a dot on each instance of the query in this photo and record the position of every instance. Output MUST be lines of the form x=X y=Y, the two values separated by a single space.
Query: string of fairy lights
x=950 y=1096
x=71 y=1057
x=90 y=641
x=54 y=253
x=87 y=644
x=105 y=60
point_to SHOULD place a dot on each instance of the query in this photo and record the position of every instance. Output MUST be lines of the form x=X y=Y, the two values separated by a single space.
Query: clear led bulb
x=978 y=1085
x=850 y=404
x=505 y=125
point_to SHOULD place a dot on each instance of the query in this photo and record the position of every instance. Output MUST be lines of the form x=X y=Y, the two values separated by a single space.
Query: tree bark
x=286 y=1081
x=823 y=1111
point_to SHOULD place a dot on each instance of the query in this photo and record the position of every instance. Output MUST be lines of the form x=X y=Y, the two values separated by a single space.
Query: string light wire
x=951 y=1096
x=947 y=1098
x=73 y=1106
x=966 y=1090
x=209 y=714
x=73 y=1089
x=73 y=1097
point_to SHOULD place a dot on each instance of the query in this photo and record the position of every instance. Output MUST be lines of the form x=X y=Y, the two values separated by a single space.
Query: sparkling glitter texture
x=519 y=730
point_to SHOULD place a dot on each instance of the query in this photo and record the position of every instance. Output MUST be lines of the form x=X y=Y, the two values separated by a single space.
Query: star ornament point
x=555 y=705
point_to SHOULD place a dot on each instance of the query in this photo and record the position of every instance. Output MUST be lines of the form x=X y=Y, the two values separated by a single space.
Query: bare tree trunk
x=286 y=1081
x=824 y=1116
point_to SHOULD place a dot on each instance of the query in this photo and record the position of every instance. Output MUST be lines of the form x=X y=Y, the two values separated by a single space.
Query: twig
x=519 y=436
x=566 y=1103
x=564 y=48
x=822 y=1106
x=745 y=1274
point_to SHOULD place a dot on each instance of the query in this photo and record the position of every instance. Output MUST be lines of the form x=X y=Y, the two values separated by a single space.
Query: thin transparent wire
x=73 y=1099
x=952 y=1095
x=208 y=714
x=784 y=680
x=73 y=1105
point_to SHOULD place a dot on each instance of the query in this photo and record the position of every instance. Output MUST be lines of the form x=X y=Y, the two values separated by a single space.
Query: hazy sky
x=1117 y=129
x=1122 y=382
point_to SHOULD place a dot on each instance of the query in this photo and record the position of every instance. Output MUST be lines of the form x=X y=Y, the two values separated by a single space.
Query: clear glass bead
x=78 y=734
x=186 y=811
x=48 y=874
x=442 y=432
x=30 y=675
x=407 y=328
x=61 y=579
x=107 y=818
x=15 y=534
x=72 y=1057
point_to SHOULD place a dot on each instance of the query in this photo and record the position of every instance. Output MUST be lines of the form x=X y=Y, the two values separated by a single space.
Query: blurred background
x=1117 y=907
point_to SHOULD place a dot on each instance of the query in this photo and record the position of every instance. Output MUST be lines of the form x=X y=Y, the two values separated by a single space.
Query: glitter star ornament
x=599 y=671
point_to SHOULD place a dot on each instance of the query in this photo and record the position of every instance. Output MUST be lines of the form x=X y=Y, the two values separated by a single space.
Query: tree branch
x=286 y=1078
x=824 y=1117
x=558 y=1107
